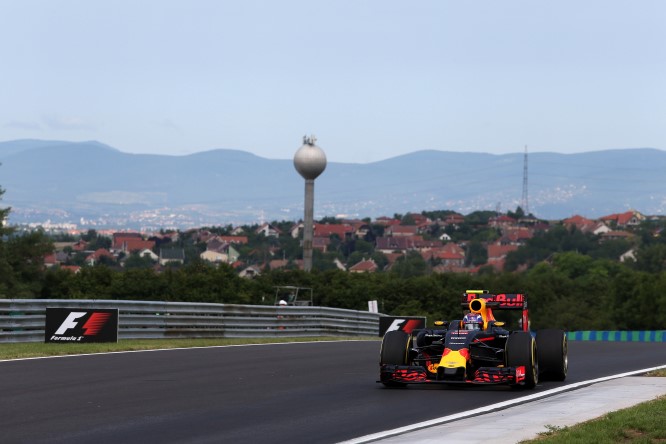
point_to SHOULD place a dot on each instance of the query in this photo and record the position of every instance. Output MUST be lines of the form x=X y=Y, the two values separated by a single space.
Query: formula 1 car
x=459 y=353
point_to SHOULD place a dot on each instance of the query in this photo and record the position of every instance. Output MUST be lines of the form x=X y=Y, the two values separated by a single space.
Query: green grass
x=39 y=349
x=643 y=423
x=661 y=372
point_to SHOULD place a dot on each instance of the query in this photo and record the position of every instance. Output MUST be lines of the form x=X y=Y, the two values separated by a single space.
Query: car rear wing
x=502 y=301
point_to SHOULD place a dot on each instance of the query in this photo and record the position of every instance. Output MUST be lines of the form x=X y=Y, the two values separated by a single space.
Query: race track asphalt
x=297 y=393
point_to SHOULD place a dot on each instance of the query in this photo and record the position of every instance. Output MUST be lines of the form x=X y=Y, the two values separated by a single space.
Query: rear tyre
x=553 y=350
x=521 y=350
x=395 y=346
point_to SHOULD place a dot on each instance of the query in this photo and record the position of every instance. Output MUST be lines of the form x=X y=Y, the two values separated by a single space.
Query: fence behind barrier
x=22 y=320
x=621 y=336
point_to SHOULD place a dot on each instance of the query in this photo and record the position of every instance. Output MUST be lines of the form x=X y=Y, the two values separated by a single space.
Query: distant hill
x=97 y=184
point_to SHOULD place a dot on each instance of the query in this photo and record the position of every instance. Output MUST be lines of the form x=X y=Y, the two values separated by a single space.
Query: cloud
x=30 y=126
x=67 y=123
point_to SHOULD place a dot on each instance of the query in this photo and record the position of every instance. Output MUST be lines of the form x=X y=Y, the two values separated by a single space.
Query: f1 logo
x=92 y=326
x=406 y=324
x=77 y=325
x=70 y=322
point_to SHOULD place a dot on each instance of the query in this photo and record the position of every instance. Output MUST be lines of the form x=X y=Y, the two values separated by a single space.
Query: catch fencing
x=23 y=320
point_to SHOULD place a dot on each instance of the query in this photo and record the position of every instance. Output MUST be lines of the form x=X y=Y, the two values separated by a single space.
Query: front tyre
x=395 y=346
x=394 y=351
x=521 y=350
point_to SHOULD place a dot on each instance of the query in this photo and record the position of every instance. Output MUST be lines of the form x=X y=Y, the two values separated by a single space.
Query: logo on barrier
x=81 y=325
x=404 y=323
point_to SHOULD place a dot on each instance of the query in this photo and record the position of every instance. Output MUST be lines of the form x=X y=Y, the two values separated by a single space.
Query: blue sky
x=371 y=79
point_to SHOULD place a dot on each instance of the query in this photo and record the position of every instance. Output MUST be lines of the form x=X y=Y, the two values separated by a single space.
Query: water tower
x=310 y=162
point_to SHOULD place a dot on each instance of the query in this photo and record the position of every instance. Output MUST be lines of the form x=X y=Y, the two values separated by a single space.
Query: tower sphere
x=310 y=160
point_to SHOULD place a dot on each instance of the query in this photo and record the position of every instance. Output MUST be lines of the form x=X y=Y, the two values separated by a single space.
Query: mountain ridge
x=72 y=182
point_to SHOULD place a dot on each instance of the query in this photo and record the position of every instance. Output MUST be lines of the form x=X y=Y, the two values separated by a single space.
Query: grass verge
x=643 y=423
x=38 y=349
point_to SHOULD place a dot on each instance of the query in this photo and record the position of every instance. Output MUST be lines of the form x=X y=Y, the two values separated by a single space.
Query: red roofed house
x=453 y=248
x=450 y=258
x=629 y=218
x=277 y=264
x=450 y=255
x=615 y=235
x=401 y=230
x=234 y=239
x=386 y=221
x=268 y=230
x=580 y=222
x=343 y=231
x=391 y=244
x=502 y=221
x=365 y=266
x=95 y=257
x=498 y=251
x=453 y=219
x=132 y=245
x=516 y=235
x=321 y=243
x=50 y=260
x=129 y=242
x=497 y=254
x=118 y=239
x=586 y=225
x=81 y=245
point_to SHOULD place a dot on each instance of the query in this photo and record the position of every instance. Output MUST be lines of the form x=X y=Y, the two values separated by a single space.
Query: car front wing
x=414 y=374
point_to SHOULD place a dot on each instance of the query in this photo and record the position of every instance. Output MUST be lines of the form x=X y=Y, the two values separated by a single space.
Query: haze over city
x=372 y=79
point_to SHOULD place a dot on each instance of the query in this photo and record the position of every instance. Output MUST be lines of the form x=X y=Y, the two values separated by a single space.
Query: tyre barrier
x=618 y=336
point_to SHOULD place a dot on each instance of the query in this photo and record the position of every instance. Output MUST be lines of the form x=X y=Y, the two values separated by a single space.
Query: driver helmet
x=473 y=321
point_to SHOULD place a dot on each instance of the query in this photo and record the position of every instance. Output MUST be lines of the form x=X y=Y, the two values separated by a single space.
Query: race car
x=481 y=352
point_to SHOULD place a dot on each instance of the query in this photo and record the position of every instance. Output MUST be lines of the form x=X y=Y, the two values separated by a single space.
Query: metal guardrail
x=23 y=320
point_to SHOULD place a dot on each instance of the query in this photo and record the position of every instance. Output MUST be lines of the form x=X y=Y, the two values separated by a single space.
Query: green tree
x=410 y=265
x=476 y=254
x=135 y=260
x=58 y=284
x=22 y=260
x=651 y=258
x=95 y=241
x=408 y=219
x=518 y=214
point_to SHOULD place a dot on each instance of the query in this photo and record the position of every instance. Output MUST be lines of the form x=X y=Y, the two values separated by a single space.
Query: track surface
x=309 y=392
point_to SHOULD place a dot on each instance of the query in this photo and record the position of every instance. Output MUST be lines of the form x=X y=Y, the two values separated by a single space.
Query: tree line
x=571 y=291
